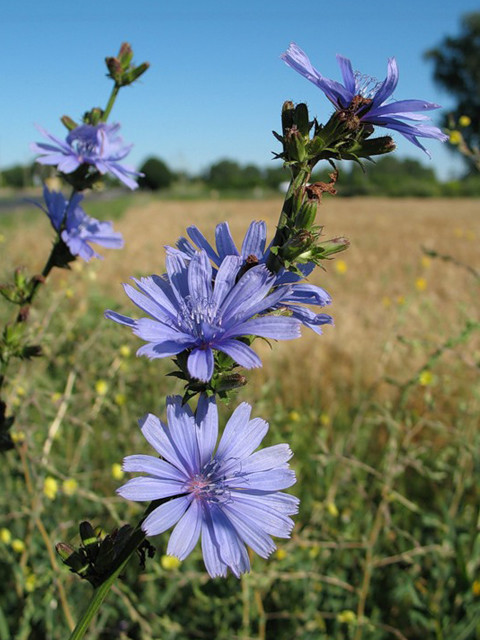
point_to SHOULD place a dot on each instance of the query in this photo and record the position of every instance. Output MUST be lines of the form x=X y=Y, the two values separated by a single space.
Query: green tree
x=456 y=68
x=156 y=175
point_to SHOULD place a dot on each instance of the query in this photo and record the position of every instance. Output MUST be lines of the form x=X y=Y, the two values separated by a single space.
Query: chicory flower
x=190 y=313
x=368 y=101
x=95 y=145
x=230 y=497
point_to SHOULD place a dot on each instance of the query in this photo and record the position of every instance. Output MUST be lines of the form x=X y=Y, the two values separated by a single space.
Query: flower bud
x=68 y=123
x=335 y=245
x=305 y=218
x=64 y=550
x=230 y=381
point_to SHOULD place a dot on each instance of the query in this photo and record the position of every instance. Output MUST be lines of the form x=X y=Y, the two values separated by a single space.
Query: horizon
x=216 y=83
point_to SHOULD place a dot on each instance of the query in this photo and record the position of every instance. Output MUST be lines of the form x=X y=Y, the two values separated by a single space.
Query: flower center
x=366 y=86
x=208 y=485
x=199 y=317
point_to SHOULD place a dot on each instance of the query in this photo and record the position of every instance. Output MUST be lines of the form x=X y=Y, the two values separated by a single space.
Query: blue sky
x=216 y=83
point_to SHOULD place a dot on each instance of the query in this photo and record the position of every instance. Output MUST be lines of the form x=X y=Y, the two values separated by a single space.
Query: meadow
x=382 y=414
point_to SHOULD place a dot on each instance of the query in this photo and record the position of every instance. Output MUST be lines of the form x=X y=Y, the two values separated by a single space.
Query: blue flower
x=98 y=146
x=367 y=99
x=254 y=251
x=230 y=498
x=190 y=313
x=76 y=228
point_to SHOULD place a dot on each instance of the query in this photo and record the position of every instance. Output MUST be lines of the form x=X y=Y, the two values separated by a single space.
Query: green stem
x=111 y=102
x=291 y=205
x=101 y=592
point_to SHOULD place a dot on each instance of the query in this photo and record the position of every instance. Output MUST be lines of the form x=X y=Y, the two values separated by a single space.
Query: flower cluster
x=211 y=303
x=229 y=497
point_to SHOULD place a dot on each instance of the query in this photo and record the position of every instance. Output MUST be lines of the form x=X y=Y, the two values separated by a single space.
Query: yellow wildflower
x=455 y=137
x=324 y=419
x=425 y=378
x=69 y=293
x=294 y=416
x=401 y=301
x=5 y=536
x=386 y=301
x=56 y=397
x=125 y=351
x=476 y=587
x=169 y=563
x=314 y=551
x=101 y=387
x=69 y=486
x=281 y=554
x=332 y=509
x=420 y=284
x=117 y=471
x=120 y=399
x=18 y=437
x=464 y=121
x=347 y=616
x=340 y=266
x=50 y=487
x=18 y=545
x=30 y=581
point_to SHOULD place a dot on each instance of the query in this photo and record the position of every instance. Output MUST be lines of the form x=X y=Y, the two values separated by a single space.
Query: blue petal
x=347 y=73
x=182 y=432
x=224 y=241
x=225 y=279
x=214 y=564
x=163 y=349
x=118 y=317
x=260 y=508
x=231 y=549
x=158 y=436
x=275 y=327
x=154 y=467
x=271 y=480
x=155 y=331
x=202 y=243
x=241 y=435
x=185 y=535
x=165 y=516
x=240 y=352
x=200 y=364
x=144 y=489
x=249 y=530
x=200 y=277
x=388 y=86
x=255 y=239
x=206 y=418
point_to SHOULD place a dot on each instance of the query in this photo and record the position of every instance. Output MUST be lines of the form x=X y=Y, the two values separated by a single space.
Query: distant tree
x=456 y=68
x=157 y=175
x=390 y=176
x=274 y=176
x=224 y=174
x=228 y=174
x=17 y=176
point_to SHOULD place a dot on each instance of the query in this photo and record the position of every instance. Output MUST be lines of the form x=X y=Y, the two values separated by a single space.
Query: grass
x=381 y=412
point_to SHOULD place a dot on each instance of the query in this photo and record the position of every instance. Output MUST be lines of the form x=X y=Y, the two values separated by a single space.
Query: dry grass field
x=386 y=540
x=383 y=287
